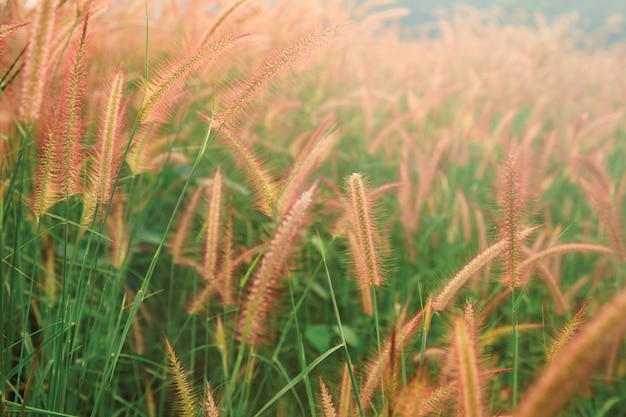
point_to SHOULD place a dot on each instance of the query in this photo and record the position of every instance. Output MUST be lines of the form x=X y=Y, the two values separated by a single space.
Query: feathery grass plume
x=512 y=203
x=345 y=393
x=188 y=401
x=364 y=240
x=118 y=230
x=600 y=201
x=598 y=189
x=50 y=276
x=372 y=377
x=60 y=156
x=464 y=215
x=162 y=88
x=212 y=244
x=576 y=362
x=36 y=62
x=7 y=29
x=199 y=302
x=221 y=341
x=257 y=172
x=46 y=192
x=227 y=267
x=225 y=285
x=257 y=306
x=492 y=336
x=148 y=151
x=326 y=400
x=72 y=94
x=427 y=173
x=391 y=374
x=405 y=197
x=411 y=397
x=220 y=19
x=179 y=238
x=236 y=107
x=441 y=399
x=214 y=222
x=357 y=260
x=470 y=401
x=210 y=405
x=107 y=152
x=318 y=145
x=446 y=295
x=566 y=334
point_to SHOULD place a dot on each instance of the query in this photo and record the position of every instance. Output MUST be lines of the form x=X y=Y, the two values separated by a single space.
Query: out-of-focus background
x=604 y=18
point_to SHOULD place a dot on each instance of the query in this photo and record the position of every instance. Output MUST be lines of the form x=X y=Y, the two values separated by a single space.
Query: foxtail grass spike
x=226 y=269
x=188 y=401
x=72 y=93
x=511 y=203
x=118 y=230
x=60 y=154
x=7 y=29
x=364 y=242
x=257 y=172
x=212 y=240
x=36 y=62
x=326 y=400
x=107 y=153
x=155 y=107
x=235 y=109
x=179 y=238
x=445 y=296
x=258 y=304
x=372 y=377
x=210 y=405
x=566 y=334
x=221 y=19
x=600 y=200
x=319 y=144
x=345 y=393
x=470 y=400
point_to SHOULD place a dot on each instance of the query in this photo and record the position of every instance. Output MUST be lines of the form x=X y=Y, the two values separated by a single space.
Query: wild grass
x=186 y=228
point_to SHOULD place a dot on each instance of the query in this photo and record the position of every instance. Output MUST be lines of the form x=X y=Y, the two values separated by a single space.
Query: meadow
x=291 y=208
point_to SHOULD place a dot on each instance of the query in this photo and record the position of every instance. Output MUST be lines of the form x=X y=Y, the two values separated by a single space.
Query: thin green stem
x=301 y=354
x=342 y=336
x=515 y=348
x=378 y=344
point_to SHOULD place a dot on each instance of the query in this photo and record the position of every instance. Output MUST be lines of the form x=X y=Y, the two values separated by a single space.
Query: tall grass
x=186 y=229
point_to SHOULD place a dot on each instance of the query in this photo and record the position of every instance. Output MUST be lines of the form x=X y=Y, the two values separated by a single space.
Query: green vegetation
x=244 y=210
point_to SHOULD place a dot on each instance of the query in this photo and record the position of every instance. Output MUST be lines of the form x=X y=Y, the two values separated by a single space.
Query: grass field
x=242 y=210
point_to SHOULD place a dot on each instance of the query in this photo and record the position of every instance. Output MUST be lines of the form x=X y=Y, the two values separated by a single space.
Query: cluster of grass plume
x=186 y=228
